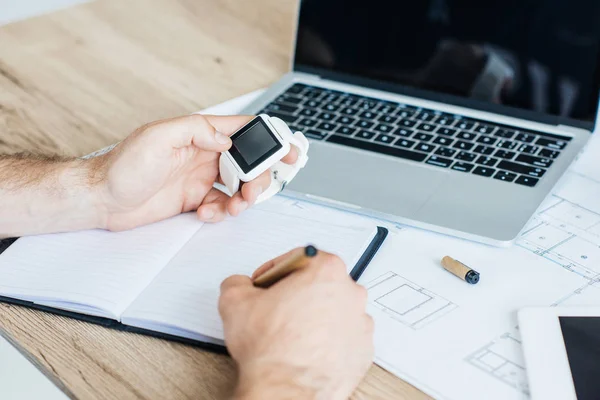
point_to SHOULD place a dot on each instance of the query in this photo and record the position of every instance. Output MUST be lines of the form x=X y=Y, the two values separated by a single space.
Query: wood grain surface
x=79 y=79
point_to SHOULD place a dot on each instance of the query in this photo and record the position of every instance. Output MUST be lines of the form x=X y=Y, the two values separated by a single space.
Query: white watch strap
x=281 y=173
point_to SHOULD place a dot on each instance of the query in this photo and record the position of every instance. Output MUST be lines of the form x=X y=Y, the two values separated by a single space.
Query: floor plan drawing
x=503 y=359
x=407 y=302
x=566 y=234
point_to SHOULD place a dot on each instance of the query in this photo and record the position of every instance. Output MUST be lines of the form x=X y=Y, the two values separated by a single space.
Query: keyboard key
x=462 y=166
x=378 y=148
x=327 y=116
x=487 y=140
x=384 y=128
x=404 y=132
x=527 y=149
x=525 y=137
x=331 y=107
x=507 y=144
x=444 y=141
x=313 y=103
x=428 y=148
x=289 y=99
x=422 y=136
x=313 y=93
x=368 y=104
x=484 y=171
x=345 y=130
x=508 y=155
x=387 y=139
x=281 y=108
x=464 y=145
x=405 y=113
x=465 y=125
x=327 y=126
x=505 y=176
x=439 y=161
x=485 y=150
x=537 y=161
x=445 y=152
x=365 y=124
x=388 y=119
x=349 y=101
x=306 y=122
x=487 y=161
x=312 y=134
x=349 y=111
x=485 y=129
x=367 y=115
x=290 y=119
x=521 y=169
x=446 y=131
x=549 y=153
x=345 y=120
x=464 y=156
x=505 y=133
x=466 y=135
x=365 y=135
x=308 y=112
x=527 y=181
x=407 y=123
x=425 y=116
x=405 y=143
x=551 y=143
x=296 y=88
x=387 y=109
x=425 y=127
x=444 y=120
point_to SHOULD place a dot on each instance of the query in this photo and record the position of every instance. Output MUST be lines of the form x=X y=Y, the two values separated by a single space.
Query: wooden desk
x=82 y=78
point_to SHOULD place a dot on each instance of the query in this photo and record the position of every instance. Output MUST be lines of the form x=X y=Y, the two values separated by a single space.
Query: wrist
x=277 y=382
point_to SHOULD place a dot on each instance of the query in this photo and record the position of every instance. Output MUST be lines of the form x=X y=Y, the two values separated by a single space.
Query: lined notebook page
x=95 y=272
x=183 y=297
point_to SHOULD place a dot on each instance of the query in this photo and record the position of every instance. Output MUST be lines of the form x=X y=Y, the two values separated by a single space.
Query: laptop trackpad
x=368 y=180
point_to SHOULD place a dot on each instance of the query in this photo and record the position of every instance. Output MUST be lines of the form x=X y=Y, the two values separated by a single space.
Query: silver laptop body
x=409 y=161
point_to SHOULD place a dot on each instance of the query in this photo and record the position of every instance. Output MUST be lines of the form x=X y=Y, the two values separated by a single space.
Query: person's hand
x=307 y=336
x=168 y=167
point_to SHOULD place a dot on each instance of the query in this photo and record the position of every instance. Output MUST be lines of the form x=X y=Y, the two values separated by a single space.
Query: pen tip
x=310 y=251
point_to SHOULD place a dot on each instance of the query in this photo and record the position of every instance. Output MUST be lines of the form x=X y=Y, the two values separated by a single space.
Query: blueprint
x=456 y=341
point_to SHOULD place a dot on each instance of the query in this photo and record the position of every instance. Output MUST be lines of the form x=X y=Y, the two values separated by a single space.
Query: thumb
x=198 y=131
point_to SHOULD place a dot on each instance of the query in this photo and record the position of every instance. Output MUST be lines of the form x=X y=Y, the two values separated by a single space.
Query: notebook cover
x=356 y=272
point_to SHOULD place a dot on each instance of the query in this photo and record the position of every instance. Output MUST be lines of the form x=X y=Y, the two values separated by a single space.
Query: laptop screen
x=538 y=56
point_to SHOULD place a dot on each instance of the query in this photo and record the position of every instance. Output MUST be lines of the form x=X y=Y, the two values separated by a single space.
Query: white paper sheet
x=456 y=341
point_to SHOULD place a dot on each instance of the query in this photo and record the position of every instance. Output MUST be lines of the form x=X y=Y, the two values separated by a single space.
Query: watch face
x=253 y=144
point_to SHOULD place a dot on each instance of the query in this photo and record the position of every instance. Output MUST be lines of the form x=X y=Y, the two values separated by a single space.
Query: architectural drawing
x=503 y=359
x=566 y=234
x=407 y=302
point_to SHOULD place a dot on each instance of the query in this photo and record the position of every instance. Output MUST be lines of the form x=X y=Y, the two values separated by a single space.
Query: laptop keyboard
x=413 y=133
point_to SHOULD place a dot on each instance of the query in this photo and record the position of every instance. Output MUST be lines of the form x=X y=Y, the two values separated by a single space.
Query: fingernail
x=220 y=138
x=243 y=206
x=208 y=214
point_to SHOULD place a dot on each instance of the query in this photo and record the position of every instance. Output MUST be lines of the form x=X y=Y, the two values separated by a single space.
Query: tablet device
x=562 y=352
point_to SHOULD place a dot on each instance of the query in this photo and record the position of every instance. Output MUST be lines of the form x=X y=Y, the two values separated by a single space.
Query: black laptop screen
x=535 y=55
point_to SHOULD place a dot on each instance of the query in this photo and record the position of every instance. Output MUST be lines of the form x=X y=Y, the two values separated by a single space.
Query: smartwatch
x=257 y=147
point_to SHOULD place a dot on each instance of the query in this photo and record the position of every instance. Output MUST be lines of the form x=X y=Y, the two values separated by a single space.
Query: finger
x=230 y=123
x=292 y=156
x=326 y=267
x=251 y=190
x=213 y=207
x=197 y=130
x=271 y=263
x=236 y=281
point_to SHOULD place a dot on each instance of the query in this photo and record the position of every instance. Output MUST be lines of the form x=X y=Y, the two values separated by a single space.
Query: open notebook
x=164 y=279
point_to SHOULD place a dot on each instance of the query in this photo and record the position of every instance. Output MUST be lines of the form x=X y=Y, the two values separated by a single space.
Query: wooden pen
x=300 y=258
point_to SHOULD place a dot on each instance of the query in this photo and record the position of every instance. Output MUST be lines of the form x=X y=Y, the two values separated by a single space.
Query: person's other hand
x=307 y=336
x=168 y=167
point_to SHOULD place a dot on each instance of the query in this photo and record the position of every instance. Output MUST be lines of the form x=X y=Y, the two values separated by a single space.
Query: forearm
x=40 y=195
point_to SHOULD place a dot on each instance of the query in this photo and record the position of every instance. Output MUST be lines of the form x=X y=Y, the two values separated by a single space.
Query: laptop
x=453 y=116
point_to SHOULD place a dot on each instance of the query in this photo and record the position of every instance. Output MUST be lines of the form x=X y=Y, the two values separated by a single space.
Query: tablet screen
x=582 y=341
